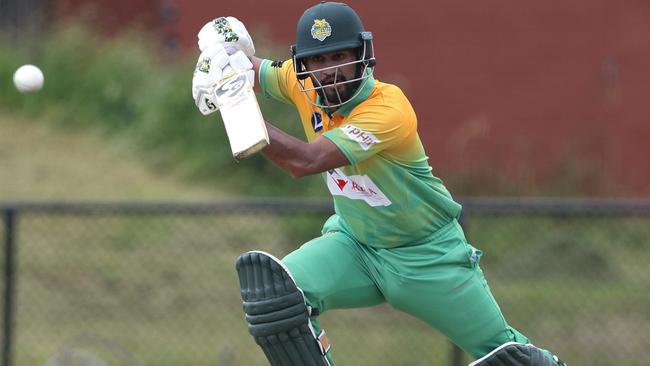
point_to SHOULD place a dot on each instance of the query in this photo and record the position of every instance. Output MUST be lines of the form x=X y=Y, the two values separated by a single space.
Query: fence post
x=9 y=219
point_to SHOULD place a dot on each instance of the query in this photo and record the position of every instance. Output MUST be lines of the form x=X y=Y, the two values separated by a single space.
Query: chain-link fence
x=113 y=284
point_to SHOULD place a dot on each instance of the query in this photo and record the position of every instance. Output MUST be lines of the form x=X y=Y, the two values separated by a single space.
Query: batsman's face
x=331 y=70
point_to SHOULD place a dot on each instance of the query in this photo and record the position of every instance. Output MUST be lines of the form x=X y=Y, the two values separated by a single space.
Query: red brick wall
x=538 y=93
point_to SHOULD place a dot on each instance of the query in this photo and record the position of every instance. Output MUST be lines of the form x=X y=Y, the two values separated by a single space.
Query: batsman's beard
x=336 y=90
x=341 y=91
x=336 y=93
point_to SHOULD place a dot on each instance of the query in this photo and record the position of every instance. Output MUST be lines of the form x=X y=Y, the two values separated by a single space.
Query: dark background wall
x=522 y=94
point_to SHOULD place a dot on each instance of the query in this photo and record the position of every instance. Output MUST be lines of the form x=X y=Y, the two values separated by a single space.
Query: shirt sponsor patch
x=365 y=139
x=356 y=187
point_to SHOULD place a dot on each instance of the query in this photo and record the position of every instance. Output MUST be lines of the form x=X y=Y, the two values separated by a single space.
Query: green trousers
x=438 y=281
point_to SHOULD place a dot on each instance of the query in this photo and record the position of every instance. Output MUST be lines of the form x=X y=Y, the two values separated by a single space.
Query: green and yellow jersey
x=387 y=197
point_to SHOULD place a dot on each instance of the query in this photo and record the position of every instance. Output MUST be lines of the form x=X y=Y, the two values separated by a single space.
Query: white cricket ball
x=28 y=78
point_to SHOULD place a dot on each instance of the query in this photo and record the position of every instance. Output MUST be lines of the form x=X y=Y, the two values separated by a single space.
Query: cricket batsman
x=395 y=235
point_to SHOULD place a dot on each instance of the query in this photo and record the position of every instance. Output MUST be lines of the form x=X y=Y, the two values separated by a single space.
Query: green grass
x=172 y=299
x=42 y=162
x=576 y=285
x=164 y=287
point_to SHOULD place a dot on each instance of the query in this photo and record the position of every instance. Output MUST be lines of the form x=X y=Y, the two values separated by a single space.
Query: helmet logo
x=321 y=29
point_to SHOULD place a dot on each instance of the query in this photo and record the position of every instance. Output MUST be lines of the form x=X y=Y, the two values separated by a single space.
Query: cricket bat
x=241 y=116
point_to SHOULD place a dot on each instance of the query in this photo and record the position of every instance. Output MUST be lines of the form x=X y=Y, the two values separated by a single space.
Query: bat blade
x=241 y=116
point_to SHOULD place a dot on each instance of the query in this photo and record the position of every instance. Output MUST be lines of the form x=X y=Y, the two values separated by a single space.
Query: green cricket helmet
x=329 y=27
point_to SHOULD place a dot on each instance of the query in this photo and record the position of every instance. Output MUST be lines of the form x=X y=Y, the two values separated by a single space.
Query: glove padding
x=208 y=72
x=229 y=32
x=212 y=67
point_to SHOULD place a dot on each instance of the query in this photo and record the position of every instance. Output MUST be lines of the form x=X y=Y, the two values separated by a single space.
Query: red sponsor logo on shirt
x=364 y=189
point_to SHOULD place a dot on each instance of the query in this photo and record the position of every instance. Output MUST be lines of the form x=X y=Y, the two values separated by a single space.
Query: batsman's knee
x=277 y=314
x=518 y=354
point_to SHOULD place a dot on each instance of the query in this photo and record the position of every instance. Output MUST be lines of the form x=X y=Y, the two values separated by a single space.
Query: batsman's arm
x=296 y=157
x=299 y=158
x=257 y=64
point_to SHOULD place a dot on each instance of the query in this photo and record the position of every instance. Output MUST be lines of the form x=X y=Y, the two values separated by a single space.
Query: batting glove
x=229 y=32
x=213 y=66
x=238 y=62
x=208 y=72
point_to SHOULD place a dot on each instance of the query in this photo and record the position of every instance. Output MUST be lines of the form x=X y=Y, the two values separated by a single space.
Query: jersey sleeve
x=277 y=80
x=372 y=131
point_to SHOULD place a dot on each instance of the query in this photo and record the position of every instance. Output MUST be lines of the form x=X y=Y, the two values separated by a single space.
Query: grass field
x=164 y=288
x=40 y=162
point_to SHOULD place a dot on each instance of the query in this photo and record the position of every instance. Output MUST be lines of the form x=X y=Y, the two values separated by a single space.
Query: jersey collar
x=346 y=108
